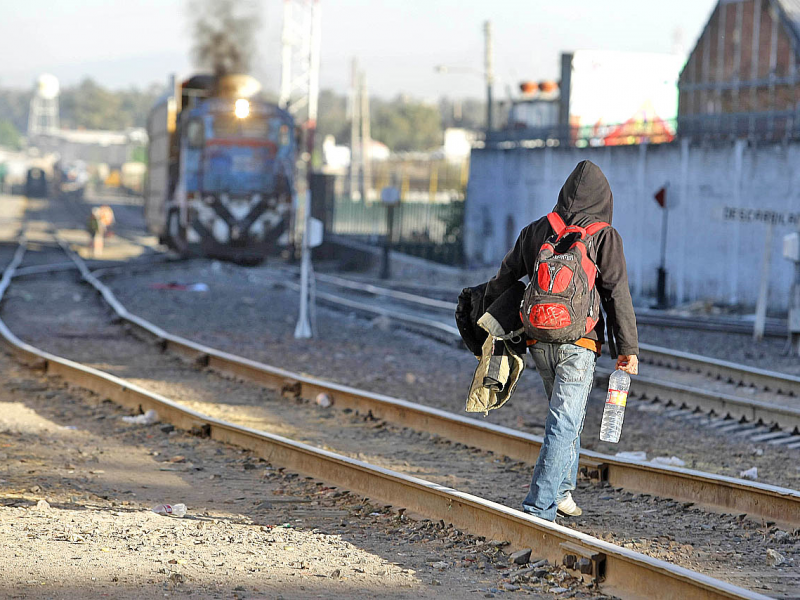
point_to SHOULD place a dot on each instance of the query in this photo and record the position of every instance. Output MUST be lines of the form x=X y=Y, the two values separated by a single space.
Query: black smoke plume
x=224 y=34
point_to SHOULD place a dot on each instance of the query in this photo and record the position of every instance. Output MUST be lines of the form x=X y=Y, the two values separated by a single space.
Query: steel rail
x=644 y=317
x=717 y=492
x=722 y=404
x=620 y=571
x=709 y=324
x=742 y=375
x=378 y=291
x=734 y=373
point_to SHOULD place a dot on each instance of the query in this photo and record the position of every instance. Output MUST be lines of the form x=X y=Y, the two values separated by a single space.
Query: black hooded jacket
x=585 y=198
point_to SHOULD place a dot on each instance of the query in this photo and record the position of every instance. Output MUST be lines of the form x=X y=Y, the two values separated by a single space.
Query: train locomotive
x=221 y=170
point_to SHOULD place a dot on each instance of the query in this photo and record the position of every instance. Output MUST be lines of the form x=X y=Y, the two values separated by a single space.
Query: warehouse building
x=741 y=78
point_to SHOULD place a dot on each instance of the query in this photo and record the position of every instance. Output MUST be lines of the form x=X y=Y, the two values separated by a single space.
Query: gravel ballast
x=83 y=331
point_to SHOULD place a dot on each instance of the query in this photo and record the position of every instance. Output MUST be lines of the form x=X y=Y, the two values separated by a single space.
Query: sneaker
x=568 y=508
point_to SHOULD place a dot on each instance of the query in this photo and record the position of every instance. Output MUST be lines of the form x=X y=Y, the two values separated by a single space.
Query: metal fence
x=766 y=126
x=428 y=230
x=428 y=220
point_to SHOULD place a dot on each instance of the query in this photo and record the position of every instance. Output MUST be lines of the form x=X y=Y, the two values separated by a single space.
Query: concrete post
x=738 y=160
x=681 y=277
x=638 y=278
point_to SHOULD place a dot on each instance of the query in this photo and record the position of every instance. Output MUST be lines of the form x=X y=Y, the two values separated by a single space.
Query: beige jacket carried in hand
x=499 y=367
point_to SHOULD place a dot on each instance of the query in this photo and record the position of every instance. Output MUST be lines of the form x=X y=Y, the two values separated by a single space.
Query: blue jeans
x=567 y=371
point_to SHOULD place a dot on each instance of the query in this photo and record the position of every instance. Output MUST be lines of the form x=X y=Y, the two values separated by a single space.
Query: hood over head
x=585 y=196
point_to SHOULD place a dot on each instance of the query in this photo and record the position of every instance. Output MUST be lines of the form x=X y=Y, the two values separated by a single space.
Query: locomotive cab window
x=194 y=133
x=230 y=126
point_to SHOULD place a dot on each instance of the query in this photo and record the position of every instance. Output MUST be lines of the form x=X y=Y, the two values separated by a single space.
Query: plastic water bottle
x=614 y=412
x=170 y=510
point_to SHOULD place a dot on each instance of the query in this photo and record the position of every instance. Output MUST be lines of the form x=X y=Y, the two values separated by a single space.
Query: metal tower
x=43 y=113
x=300 y=61
x=300 y=95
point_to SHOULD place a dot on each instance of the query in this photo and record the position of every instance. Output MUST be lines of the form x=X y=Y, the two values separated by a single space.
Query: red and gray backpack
x=561 y=303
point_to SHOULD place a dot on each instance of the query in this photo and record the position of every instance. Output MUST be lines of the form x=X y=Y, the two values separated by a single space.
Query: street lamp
x=487 y=74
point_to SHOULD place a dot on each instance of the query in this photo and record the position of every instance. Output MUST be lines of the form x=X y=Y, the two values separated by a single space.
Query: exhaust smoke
x=224 y=33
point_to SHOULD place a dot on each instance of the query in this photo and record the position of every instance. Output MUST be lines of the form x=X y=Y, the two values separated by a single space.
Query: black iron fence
x=427 y=222
x=428 y=230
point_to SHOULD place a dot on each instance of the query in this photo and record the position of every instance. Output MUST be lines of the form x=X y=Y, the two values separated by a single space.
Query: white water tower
x=43 y=114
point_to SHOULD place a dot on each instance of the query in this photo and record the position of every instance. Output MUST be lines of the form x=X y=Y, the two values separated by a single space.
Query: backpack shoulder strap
x=556 y=222
x=595 y=227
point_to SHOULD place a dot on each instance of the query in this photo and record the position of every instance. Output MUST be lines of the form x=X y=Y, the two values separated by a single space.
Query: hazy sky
x=399 y=42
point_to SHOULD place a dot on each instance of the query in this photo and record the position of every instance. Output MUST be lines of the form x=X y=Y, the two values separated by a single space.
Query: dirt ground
x=243 y=314
x=77 y=485
x=249 y=318
x=71 y=321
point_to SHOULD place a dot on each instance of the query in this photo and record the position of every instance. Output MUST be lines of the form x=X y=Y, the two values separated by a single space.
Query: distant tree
x=332 y=118
x=14 y=107
x=91 y=106
x=402 y=124
x=135 y=104
x=468 y=113
x=9 y=136
x=406 y=125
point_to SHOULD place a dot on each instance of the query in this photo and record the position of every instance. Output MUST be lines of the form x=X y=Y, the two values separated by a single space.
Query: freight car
x=221 y=169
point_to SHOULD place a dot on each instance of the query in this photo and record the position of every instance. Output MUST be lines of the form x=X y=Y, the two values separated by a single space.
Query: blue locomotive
x=221 y=169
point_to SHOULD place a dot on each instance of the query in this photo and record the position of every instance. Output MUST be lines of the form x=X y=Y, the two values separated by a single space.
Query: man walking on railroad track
x=582 y=214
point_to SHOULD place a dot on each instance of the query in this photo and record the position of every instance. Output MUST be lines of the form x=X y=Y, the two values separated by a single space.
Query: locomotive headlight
x=242 y=108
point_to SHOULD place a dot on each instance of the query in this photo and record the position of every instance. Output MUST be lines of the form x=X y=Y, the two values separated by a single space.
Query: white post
x=763 y=290
x=638 y=215
x=734 y=248
x=303 y=328
x=681 y=278
x=287 y=41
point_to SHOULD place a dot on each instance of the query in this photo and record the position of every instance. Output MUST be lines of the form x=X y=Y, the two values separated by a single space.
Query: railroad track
x=773 y=419
x=618 y=570
x=721 y=493
x=719 y=323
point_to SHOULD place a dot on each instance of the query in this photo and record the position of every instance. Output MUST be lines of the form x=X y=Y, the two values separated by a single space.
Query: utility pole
x=488 y=65
x=355 y=135
x=366 y=141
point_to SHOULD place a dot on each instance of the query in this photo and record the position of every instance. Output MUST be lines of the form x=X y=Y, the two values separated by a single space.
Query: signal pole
x=488 y=65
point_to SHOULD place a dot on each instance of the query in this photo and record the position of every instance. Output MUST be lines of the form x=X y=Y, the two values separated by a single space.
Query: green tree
x=14 y=107
x=406 y=125
x=332 y=118
x=9 y=136
x=91 y=106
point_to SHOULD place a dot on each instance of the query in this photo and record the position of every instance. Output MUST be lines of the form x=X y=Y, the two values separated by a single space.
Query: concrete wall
x=712 y=254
